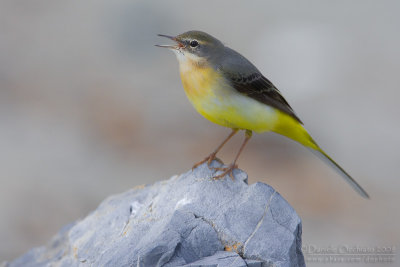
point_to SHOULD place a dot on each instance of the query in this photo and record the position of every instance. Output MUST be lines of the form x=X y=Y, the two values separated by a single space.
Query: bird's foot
x=226 y=170
x=208 y=159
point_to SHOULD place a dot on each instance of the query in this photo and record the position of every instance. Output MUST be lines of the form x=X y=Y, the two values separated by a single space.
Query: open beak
x=176 y=46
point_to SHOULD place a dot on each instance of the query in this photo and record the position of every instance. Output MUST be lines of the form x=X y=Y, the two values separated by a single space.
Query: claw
x=208 y=159
x=220 y=161
x=227 y=170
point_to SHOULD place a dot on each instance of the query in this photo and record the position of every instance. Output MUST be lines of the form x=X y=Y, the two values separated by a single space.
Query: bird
x=227 y=89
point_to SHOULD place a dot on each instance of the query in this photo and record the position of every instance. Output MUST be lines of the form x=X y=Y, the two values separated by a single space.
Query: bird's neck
x=189 y=62
x=197 y=77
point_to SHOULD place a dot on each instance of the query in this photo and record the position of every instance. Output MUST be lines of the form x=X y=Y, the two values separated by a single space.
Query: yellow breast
x=198 y=81
x=214 y=98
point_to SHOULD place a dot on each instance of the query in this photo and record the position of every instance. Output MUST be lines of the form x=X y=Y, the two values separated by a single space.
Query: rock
x=188 y=220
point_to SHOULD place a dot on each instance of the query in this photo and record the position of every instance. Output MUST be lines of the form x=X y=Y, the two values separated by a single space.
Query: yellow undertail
x=292 y=129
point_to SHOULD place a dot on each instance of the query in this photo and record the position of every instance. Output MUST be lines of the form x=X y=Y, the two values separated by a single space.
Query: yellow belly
x=212 y=97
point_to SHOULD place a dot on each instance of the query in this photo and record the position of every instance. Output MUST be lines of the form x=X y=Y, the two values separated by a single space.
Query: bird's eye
x=194 y=43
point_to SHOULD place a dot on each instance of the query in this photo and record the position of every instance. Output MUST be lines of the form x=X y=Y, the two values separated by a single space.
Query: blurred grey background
x=89 y=107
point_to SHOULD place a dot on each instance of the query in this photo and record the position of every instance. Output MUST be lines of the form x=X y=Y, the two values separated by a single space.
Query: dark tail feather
x=328 y=160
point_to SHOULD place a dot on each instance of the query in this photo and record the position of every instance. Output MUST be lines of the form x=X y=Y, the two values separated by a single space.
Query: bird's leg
x=232 y=166
x=212 y=156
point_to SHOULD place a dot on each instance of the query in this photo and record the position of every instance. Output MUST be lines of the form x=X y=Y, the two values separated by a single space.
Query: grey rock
x=188 y=220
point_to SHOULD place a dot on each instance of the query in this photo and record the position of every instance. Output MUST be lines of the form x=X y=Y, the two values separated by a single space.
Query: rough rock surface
x=188 y=220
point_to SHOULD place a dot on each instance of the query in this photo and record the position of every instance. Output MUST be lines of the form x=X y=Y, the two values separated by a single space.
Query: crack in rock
x=160 y=224
x=259 y=222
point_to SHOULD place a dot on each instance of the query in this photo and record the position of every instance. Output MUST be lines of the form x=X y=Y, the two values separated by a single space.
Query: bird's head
x=194 y=45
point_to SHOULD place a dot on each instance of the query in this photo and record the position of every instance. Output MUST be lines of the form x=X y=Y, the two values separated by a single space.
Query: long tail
x=292 y=129
x=328 y=160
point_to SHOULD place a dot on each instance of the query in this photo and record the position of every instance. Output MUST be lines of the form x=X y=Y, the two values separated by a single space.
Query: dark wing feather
x=261 y=89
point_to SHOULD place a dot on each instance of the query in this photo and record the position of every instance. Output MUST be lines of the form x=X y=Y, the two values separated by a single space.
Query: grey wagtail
x=229 y=90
